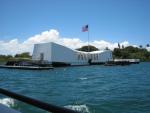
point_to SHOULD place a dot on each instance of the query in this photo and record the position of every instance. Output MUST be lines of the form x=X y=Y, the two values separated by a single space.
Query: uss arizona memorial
x=56 y=54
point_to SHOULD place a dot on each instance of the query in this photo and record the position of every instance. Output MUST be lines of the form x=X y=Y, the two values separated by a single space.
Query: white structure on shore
x=53 y=53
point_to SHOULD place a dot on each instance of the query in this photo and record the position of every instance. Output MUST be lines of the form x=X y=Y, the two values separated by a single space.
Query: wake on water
x=80 y=108
x=9 y=102
x=84 y=78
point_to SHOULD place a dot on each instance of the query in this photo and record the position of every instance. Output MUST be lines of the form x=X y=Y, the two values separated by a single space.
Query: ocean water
x=89 y=89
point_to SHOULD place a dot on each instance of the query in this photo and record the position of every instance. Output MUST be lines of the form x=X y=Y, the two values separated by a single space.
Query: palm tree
x=140 y=46
x=118 y=45
x=147 y=45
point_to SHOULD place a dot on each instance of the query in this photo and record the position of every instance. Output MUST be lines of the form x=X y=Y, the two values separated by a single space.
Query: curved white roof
x=93 y=52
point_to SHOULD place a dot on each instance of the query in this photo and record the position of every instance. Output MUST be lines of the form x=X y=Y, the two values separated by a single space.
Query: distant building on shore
x=58 y=55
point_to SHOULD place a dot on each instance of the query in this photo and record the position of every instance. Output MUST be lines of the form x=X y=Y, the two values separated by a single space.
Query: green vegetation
x=22 y=56
x=132 y=52
x=4 y=58
x=85 y=48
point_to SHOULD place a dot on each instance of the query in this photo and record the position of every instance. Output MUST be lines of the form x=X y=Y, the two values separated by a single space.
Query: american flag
x=85 y=28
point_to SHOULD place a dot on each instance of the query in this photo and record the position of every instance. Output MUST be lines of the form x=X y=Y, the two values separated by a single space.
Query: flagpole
x=88 y=40
x=88 y=43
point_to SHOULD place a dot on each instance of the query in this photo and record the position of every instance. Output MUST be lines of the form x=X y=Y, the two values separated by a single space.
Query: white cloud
x=148 y=48
x=14 y=46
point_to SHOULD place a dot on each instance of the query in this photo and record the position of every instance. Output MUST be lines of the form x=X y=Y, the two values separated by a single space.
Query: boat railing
x=37 y=103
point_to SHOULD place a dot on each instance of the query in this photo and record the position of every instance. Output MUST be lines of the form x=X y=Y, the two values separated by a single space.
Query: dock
x=132 y=61
x=26 y=67
x=122 y=62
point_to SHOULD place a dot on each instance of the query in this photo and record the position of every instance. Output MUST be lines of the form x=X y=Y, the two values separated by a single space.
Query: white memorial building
x=56 y=54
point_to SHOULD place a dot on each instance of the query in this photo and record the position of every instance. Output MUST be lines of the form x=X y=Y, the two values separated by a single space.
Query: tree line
x=24 y=55
x=131 y=52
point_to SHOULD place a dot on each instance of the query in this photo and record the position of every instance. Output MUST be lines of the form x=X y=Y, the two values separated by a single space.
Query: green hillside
x=132 y=52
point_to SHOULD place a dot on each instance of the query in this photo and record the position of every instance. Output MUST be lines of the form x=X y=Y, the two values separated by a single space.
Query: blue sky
x=109 y=20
